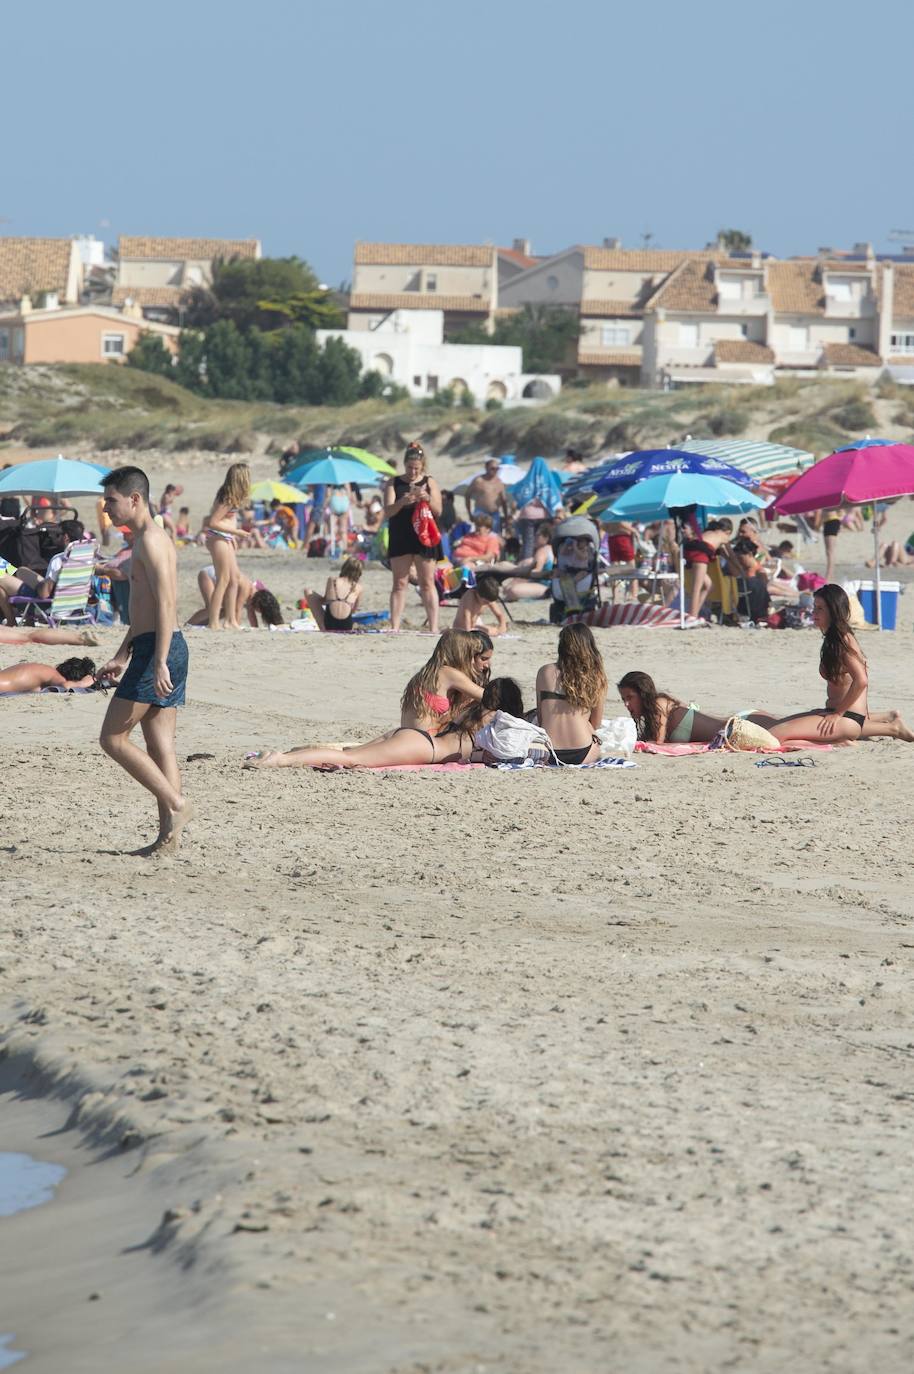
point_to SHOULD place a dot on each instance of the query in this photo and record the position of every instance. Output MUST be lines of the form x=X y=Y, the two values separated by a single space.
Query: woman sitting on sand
x=221 y=536
x=31 y=677
x=570 y=694
x=530 y=577
x=452 y=677
x=844 y=718
x=335 y=610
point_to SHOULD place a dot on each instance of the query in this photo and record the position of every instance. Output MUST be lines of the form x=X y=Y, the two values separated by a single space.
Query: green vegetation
x=734 y=240
x=113 y=407
x=548 y=336
x=263 y=293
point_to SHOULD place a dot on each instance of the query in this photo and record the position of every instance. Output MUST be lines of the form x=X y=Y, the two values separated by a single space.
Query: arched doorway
x=496 y=391
x=383 y=363
x=537 y=390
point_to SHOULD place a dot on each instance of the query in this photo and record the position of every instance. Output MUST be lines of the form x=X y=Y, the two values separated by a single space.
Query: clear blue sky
x=310 y=125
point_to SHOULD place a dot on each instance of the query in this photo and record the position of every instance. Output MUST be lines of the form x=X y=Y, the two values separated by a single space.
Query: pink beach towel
x=792 y=747
x=632 y=613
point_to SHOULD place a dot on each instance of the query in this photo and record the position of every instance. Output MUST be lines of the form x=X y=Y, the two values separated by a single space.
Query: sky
x=312 y=125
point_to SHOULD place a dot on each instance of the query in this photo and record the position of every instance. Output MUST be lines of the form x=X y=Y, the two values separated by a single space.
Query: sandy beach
x=527 y=1072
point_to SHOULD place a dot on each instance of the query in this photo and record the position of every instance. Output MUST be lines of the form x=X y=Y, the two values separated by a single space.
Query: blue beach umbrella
x=332 y=472
x=539 y=483
x=53 y=477
x=663 y=462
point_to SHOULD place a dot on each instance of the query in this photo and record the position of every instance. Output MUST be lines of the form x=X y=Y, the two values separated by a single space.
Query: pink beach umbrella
x=852 y=477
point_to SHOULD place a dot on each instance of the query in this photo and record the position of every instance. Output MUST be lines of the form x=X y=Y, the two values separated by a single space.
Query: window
x=901 y=343
x=798 y=338
x=431 y=384
x=431 y=281
x=4 y=345
x=552 y=282
x=839 y=290
x=729 y=288
x=615 y=335
x=744 y=330
x=417 y=381
x=851 y=334
x=688 y=336
x=113 y=345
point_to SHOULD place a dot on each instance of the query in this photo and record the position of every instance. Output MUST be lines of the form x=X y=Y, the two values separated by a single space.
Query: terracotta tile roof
x=421 y=300
x=742 y=351
x=796 y=288
x=690 y=287
x=618 y=359
x=611 y=309
x=637 y=259
x=423 y=255
x=28 y=266
x=902 y=291
x=148 y=295
x=849 y=355
x=185 y=250
x=521 y=259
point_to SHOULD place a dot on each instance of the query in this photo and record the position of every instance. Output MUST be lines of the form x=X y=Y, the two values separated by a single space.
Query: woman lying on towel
x=452 y=678
x=570 y=694
x=43 y=634
x=31 y=677
x=845 y=718
x=662 y=718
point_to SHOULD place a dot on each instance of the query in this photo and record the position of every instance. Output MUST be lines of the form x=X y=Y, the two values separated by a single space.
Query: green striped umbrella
x=760 y=460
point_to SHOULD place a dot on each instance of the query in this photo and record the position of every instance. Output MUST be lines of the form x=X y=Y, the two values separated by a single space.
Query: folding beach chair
x=70 y=603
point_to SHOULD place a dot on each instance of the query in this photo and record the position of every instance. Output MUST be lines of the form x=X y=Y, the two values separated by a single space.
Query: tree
x=149 y=354
x=546 y=333
x=734 y=240
x=227 y=362
x=269 y=293
x=294 y=369
x=338 y=371
x=190 y=368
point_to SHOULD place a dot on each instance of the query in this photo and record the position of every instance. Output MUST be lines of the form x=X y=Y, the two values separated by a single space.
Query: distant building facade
x=157 y=274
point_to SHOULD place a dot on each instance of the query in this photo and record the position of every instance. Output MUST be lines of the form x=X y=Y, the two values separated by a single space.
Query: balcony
x=744 y=305
x=857 y=308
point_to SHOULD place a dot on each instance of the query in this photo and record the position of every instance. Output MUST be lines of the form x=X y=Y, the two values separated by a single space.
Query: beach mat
x=674 y=750
x=633 y=613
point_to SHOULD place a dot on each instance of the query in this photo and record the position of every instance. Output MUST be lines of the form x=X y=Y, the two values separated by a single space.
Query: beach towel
x=527 y=764
x=633 y=613
x=645 y=746
x=57 y=691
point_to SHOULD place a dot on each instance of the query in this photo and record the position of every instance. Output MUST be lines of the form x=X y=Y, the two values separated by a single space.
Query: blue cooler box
x=888 y=599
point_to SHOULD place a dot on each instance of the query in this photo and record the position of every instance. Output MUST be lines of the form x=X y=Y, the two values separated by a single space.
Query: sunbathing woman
x=334 y=611
x=531 y=576
x=31 y=677
x=221 y=535
x=845 y=717
x=452 y=677
x=570 y=694
x=661 y=718
x=43 y=634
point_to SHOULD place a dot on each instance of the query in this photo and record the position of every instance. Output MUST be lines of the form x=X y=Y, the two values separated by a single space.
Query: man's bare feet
x=170 y=842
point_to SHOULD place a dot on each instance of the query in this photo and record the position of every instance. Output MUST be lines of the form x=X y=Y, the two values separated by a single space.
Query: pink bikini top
x=440 y=705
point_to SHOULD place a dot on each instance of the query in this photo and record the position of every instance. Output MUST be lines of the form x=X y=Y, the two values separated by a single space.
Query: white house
x=407 y=347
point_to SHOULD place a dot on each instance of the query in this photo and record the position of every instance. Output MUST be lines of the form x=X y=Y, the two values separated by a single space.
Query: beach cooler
x=888 y=600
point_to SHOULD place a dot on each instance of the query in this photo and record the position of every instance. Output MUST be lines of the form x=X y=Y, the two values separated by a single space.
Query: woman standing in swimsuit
x=404 y=549
x=220 y=533
x=570 y=695
x=334 y=610
x=452 y=678
x=841 y=663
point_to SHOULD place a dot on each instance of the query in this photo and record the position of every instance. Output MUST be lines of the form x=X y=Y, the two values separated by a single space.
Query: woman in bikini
x=453 y=677
x=221 y=532
x=661 y=718
x=532 y=576
x=570 y=694
x=844 y=718
x=334 y=611
x=699 y=554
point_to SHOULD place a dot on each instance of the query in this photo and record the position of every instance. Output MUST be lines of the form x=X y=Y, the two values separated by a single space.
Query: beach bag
x=617 y=737
x=427 y=532
x=509 y=737
x=739 y=735
x=810 y=582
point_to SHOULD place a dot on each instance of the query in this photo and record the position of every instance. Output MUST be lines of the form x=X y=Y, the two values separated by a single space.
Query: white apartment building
x=408 y=348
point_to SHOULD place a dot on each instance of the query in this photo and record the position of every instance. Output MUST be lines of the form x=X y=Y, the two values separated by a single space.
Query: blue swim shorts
x=137 y=682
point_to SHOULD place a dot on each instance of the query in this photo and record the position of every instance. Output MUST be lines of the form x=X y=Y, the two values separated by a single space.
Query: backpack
x=509 y=737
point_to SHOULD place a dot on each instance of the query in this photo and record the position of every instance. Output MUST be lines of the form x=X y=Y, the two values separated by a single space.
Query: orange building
x=75 y=334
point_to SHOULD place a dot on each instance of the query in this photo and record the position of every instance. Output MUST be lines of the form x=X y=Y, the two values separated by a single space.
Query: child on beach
x=335 y=610
x=221 y=534
x=484 y=597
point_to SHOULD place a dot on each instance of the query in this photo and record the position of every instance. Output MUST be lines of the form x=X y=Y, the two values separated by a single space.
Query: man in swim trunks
x=488 y=495
x=152 y=686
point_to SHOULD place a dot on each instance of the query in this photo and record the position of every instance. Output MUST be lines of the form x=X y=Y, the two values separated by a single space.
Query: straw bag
x=740 y=734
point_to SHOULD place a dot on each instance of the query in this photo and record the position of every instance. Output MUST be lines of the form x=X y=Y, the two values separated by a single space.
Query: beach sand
x=484 y=1071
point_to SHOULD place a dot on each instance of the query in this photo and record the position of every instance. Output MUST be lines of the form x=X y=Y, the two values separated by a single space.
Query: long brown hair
x=833 y=654
x=235 y=491
x=581 y=668
x=455 y=649
x=648 y=723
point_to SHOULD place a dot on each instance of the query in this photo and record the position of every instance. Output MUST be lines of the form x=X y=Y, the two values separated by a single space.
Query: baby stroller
x=575 y=582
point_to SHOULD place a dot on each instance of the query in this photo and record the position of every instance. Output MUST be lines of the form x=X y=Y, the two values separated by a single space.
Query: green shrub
x=727 y=422
x=855 y=415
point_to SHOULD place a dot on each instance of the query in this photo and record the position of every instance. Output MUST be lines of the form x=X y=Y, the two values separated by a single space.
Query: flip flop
x=785 y=763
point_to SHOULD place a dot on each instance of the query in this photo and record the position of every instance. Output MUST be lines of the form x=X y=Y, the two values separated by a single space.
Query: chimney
x=864 y=250
x=614 y=244
x=522 y=246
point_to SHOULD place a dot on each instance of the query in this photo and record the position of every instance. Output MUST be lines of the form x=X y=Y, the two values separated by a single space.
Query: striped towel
x=633 y=613
x=513 y=767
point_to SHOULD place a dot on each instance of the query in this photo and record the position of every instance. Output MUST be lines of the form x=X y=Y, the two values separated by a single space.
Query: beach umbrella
x=656 y=497
x=759 y=460
x=663 y=462
x=277 y=491
x=539 y=483
x=53 y=477
x=371 y=460
x=332 y=472
x=866 y=471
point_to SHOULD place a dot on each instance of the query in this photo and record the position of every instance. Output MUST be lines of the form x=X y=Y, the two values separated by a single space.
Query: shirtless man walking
x=488 y=495
x=152 y=686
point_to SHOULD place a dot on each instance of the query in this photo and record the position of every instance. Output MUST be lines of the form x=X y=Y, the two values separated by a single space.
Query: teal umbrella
x=53 y=477
x=332 y=472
